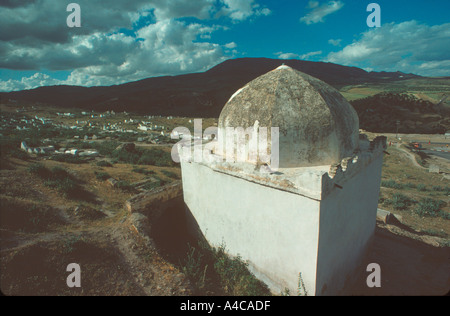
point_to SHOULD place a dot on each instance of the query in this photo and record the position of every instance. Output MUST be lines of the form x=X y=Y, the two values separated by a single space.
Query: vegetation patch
x=143 y=171
x=212 y=270
x=380 y=113
x=154 y=184
x=126 y=186
x=10 y=147
x=103 y=163
x=399 y=201
x=391 y=184
x=170 y=174
x=68 y=158
x=138 y=156
x=431 y=207
x=102 y=176
x=61 y=180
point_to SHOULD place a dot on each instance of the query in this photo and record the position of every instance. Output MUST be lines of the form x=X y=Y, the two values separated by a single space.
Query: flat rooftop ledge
x=305 y=181
x=314 y=182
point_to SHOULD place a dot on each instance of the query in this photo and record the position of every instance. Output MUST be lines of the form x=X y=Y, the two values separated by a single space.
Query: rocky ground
x=46 y=231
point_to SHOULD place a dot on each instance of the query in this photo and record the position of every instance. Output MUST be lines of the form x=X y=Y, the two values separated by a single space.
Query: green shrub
x=235 y=276
x=18 y=153
x=105 y=148
x=301 y=288
x=84 y=145
x=143 y=171
x=156 y=157
x=10 y=146
x=153 y=156
x=391 y=184
x=155 y=184
x=131 y=157
x=170 y=174
x=102 y=176
x=445 y=190
x=127 y=137
x=421 y=187
x=212 y=269
x=429 y=207
x=194 y=269
x=39 y=170
x=68 y=158
x=59 y=173
x=410 y=185
x=126 y=186
x=104 y=163
x=434 y=232
x=399 y=201
x=56 y=178
x=443 y=214
x=66 y=186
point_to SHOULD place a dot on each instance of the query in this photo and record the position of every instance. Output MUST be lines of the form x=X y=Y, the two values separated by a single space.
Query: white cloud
x=409 y=47
x=231 y=45
x=319 y=12
x=335 y=42
x=239 y=10
x=282 y=55
x=305 y=56
x=166 y=47
x=173 y=9
x=313 y=4
x=34 y=36
x=36 y=80
x=310 y=54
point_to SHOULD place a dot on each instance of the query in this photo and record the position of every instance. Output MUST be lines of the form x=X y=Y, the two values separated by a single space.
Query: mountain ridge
x=196 y=94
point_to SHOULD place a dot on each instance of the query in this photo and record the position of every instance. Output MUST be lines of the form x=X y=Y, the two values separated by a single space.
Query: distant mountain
x=194 y=95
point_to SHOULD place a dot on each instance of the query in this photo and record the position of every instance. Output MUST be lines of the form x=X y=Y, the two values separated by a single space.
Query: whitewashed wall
x=275 y=230
x=347 y=223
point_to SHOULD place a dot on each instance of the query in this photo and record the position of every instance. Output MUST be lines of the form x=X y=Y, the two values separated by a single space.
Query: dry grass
x=401 y=178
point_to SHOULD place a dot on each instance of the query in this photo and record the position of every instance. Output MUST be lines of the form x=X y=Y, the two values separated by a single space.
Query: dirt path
x=411 y=157
x=155 y=277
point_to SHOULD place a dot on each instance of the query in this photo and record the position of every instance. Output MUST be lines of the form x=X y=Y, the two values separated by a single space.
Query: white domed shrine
x=317 y=126
x=314 y=215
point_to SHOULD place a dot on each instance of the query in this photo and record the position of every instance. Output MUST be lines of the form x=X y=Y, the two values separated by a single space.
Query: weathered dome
x=317 y=126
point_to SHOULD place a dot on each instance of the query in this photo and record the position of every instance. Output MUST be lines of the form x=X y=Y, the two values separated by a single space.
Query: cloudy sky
x=121 y=41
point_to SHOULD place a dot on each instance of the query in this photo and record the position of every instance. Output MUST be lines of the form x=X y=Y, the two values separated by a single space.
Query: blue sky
x=130 y=40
